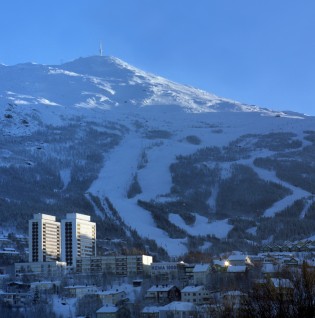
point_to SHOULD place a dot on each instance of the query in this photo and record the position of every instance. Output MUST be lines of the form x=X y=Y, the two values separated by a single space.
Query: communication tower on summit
x=101 y=49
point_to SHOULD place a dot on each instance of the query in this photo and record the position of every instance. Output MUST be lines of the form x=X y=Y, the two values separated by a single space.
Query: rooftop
x=107 y=309
x=192 y=289
x=201 y=268
x=160 y=288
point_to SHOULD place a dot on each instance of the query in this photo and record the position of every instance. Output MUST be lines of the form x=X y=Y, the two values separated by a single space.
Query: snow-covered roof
x=199 y=268
x=219 y=262
x=192 y=289
x=9 y=252
x=79 y=287
x=156 y=288
x=237 y=257
x=12 y=249
x=107 y=309
x=110 y=292
x=151 y=309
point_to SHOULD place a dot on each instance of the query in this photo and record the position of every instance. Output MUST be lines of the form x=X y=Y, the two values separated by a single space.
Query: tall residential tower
x=78 y=238
x=44 y=238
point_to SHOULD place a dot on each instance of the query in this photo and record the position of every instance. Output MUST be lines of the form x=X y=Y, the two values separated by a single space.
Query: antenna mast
x=101 y=49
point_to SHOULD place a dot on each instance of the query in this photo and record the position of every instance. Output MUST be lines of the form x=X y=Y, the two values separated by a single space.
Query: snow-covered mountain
x=151 y=158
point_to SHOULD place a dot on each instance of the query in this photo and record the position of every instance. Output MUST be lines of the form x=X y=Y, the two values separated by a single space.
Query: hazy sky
x=257 y=52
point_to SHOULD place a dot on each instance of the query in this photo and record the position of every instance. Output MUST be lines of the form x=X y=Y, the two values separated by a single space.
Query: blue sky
x=256 y=52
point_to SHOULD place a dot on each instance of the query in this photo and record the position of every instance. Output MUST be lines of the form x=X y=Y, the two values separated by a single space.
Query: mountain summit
x=105 y=82
x=161 y=166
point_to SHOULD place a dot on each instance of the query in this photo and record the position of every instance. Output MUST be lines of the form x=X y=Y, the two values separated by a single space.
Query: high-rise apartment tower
x=44 y=238
x=78 y=238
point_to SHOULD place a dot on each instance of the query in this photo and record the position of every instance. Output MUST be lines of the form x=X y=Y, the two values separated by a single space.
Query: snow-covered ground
x=106 y=89
x=202 y=226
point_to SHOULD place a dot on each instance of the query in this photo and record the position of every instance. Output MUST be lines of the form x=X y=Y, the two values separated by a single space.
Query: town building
x=14 y=299
x=150 y=312
x=113 y=297
x=119 y=265
x=197 y=295
x=188 y=274
x=107 y=311
x=78 y=237
x=164 y=271
x=79 y=291
x=162 y=294
x=201 y=274
x=110 y=311
x=40 y=268
x=239 y=259
x=44 y=238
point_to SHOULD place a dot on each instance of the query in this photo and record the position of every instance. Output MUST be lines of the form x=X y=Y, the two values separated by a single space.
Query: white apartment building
x=40 y=268
x=120 y=265
x=197 y=295
x=78 y=237
x=44 y=238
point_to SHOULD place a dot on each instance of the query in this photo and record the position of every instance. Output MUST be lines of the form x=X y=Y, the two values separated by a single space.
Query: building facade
x=162 y=294
x=78 y=237
x=197 y=295
x=44 y=238
x=40 y=268
x=119 y=265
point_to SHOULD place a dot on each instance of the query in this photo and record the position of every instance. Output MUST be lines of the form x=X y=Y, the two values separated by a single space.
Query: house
x=270 y=258
x=46 y=286
x=271 y=264
x=163 y=294
x=201 y=274
x=107 y=311
x=78 y=291
x=195 y=294
x=270 y=268
x=267 y=248
x=18 y=287
x=150 y=312
x=256 y=260
x=290 y=261
x=112 y=297
x=239 y=259
x=178 y=309
x=15 y=299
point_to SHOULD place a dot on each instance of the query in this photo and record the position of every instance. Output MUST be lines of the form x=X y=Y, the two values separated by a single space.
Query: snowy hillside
x=149 y=157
